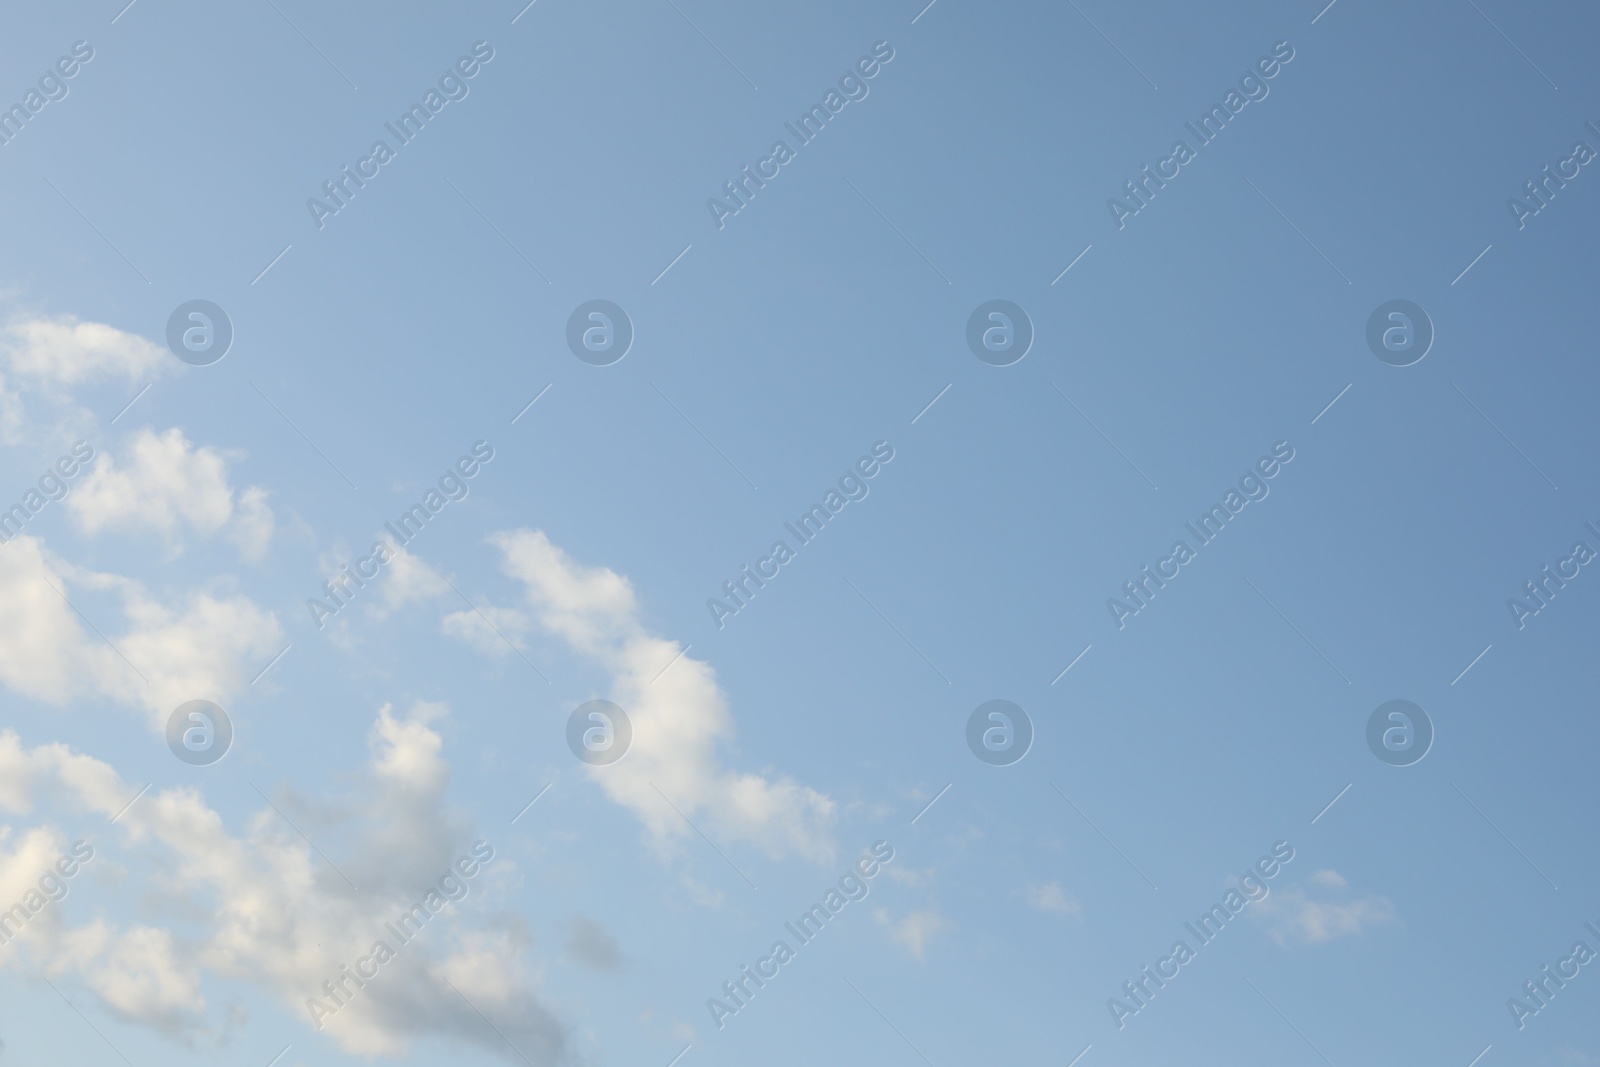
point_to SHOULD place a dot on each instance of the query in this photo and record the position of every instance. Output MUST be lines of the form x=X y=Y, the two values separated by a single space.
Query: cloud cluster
x=169 y=486
x=260 y=907
x=680 y=718
x=164 y=654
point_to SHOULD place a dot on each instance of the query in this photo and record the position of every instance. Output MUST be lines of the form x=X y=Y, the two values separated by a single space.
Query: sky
x=674 y=533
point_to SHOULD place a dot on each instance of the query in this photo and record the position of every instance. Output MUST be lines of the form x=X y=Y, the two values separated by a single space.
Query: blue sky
x=1222 y=324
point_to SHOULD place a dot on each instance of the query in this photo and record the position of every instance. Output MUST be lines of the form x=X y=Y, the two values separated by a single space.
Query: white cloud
x=680 y=717
x=915 y=930
x=168 y=485
x=44 y=359
x=63 y=351
x=1050 y=898
x=262 y=908
x=199 y=647
x=1296 y=917
x=407 y=580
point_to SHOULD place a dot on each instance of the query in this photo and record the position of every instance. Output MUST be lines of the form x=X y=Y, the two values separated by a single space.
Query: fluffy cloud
x=407 y=580
x=64 y=352
x=47 y=358
x=264 y=909
x=680 y=717
x=200 y=647
x=168 y=485
x=1307 y=917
